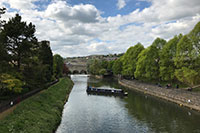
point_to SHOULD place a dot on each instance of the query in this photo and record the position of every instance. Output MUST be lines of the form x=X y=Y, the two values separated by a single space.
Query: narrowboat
x=93 y=90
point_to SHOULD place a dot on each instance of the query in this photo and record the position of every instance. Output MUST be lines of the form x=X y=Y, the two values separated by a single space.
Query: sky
x=88 y=27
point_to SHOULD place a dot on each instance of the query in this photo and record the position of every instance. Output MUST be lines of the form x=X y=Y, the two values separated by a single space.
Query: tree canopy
x=167 y=57
x=129 y=59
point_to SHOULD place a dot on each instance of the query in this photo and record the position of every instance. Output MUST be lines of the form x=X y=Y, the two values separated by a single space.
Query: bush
x=10 y=83
x=102 y=71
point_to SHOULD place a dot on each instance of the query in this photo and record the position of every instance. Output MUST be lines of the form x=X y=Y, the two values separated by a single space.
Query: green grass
x=40 y=113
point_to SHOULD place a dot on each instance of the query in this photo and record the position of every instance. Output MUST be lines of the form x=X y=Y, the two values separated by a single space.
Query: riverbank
x=41 y=112
x=179 y=96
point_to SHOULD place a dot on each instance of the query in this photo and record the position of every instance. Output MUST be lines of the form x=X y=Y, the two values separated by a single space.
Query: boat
x=93 y=90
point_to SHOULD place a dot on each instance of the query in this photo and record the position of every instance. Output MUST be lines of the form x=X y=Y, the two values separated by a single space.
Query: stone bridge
x=78 y=65
x=77 y=68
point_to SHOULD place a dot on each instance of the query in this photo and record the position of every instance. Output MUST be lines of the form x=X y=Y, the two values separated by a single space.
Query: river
x=136 y=113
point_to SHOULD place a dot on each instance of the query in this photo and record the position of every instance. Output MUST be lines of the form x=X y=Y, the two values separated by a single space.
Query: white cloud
x=121 y=4
x=60 y=10
x=80 y=30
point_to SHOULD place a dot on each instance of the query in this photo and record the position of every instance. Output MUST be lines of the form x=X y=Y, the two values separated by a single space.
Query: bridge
x=78 y=65
x=77 y=68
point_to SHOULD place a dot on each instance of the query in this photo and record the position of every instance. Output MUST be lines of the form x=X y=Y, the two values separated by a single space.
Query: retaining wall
x=179 y=96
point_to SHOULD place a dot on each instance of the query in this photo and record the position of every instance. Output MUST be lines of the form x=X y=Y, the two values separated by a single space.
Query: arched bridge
x=77 y=68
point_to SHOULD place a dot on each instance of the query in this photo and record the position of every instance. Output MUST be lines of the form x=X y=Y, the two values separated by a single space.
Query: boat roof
x=107 y=89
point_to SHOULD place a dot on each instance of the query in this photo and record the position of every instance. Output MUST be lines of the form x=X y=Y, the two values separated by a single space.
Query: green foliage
x=10 y=83
x=94 y=67
x=129 y=59
x=167 y=56
x=188 y=76
x=40 y=113
x=21 y=54
x=19 y=40
x=185 y=53
x=102 y=71
x=2 y=11
x=104 y=64
x=147 y=67
x=159 y=43
x=117 y=67
x=187 y=58
x=35 y=73
x=46 y=57
x=58 y=65
x=110 y=65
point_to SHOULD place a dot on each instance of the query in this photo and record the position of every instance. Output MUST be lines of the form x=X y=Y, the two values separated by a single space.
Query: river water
x=136 y=113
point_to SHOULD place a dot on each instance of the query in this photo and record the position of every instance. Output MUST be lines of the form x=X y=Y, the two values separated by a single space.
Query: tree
x=65 y=69
x=2 y=11
x=187 y=58
x=167 y=56
x=4 y=55
x=104 y=64
x=9 y=83
x=110 y=64
x=187 y=76
x=46 y=57
x=19 y=40
x=117 y=67
x=94 y=67
x=159 y=43
x=130 y=58
x=147 y=67
x=102 y=71
x=58 y=64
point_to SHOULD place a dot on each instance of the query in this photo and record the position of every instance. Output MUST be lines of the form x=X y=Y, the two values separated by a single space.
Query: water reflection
x=135 y=113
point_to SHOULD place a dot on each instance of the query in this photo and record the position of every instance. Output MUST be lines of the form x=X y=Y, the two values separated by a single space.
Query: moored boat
x=94 y=90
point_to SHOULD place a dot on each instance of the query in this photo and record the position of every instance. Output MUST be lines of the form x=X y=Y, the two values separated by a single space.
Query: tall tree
x=188 y=57
x=58 y=65
x=2 y=11
x=19 y=39
x=95 y=66
x=147 y=66
x=117 y=67
x=167 y=56
x=46 y=57
x=159 y=43
x=130 y=58
x=4 y=54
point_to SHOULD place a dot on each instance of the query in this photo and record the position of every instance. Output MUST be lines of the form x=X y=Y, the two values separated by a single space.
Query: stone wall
x=179 y=96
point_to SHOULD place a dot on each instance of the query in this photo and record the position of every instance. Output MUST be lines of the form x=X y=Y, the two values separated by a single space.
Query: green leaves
x=22 y=54
x=147 y=66
x=10 y=83
x=188 y=76
x=58 y=65
x=18 y=39
x=167 y=57
x=117 y=67
x=187 y=58
x=130 y=58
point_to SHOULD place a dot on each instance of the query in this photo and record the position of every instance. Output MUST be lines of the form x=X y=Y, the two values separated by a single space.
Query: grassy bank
x=39 y=113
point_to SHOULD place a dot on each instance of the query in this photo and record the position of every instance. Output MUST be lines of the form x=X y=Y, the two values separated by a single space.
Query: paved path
x=179 y=96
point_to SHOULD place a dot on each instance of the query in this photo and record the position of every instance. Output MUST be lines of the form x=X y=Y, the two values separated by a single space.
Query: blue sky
x=86 y=27
x=109 y=8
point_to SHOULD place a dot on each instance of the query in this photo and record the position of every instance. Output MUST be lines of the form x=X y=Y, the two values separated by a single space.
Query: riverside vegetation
x=176 y=61
x=25 y=63
x=40 y=113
